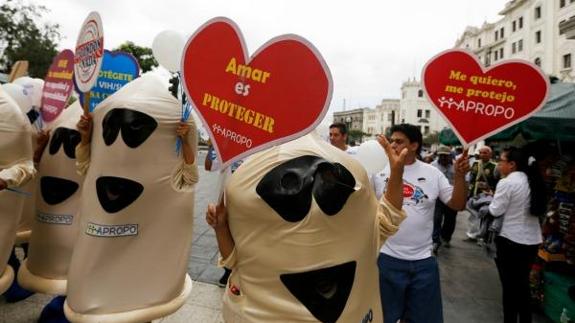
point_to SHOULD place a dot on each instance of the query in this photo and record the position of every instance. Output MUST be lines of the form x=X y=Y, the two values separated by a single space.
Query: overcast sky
x=370 y=46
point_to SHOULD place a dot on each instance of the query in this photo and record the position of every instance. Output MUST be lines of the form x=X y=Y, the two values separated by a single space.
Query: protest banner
x=88 y=55
x=251 y=103
x=118 y=68
x=58 y=85
x=478 y=102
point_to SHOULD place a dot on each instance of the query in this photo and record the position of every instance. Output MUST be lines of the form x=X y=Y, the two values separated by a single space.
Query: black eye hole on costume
x=135 y=126
x=324 y=292
x=69 y=138
x=288 y=188
x=56 y=190
x=116 y=193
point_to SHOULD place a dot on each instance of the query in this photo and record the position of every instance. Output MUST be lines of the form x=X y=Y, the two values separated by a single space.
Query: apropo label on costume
x=111 y=231
x=251 y=103
x=58 y=85
x=89 y=52
x=50 y=218
x=479 y=102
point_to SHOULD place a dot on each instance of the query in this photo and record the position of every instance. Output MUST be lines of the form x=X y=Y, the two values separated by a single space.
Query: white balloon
x=371 y=156
x=20 y=95
x=38 y=85
x=167 y=48
x=34 y=87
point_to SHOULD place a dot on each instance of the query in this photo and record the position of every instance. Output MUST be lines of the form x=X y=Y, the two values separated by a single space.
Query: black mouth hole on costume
x=56 y=190
x=324 y=292
x=116 y=193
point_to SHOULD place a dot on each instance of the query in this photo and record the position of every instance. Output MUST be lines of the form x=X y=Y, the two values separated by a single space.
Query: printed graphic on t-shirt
x=412 y=194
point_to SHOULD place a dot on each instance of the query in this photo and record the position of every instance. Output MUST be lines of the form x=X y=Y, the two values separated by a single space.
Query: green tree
x=142 y=54
x=22 y=37
x=356 y=135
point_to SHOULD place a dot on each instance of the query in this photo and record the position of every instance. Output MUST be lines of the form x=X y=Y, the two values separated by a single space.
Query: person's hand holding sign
x=462 y=164
x=182 y=131
x=85 y=128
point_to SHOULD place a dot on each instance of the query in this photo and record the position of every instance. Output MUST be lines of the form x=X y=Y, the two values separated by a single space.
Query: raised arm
x=394 y=191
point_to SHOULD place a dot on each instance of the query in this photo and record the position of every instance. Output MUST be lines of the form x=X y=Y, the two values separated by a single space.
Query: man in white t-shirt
x=409 y=275
x=338 y=138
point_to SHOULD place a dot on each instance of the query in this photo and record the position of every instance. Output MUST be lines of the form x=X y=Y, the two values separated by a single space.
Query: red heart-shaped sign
x=478 y=102
x=248 y=104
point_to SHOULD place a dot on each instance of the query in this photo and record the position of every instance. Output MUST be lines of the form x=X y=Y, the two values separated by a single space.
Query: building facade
x=352 y=118
x=415 y=108
x=534 y=30
x=381 y=118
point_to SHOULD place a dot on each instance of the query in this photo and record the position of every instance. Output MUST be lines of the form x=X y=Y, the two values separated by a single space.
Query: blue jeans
x=410 y=290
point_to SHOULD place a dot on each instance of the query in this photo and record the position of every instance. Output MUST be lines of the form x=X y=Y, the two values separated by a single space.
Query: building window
x=426 y=130
x=520 y=45
x=567 y=61
x=520 y=22
x=419 y=113
x=420 y=93
x=496 y=34
x=495 y=54
x=538 y=37
x=513 y=48
x=538 y=61
x=427 y=114
x=479 y=42
x=502 y=32
x=538 y=12
x=501 y=53
x=513 y=26
x=561 y=3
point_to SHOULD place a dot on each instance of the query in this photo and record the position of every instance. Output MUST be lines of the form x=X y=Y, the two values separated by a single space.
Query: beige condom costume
x=131 y=257
x=56 y=223
x=16 y=168
x=307 y=230
x=24 y=230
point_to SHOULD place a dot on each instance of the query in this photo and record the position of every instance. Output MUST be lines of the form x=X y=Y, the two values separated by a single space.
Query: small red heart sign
x=479 y=102
x=251 y=103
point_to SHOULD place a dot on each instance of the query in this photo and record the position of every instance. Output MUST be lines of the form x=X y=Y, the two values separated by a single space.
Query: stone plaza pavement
x=469 y=281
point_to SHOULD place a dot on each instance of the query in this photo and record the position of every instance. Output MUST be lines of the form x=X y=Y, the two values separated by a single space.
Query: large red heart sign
x=248 y=104
x=479 y=102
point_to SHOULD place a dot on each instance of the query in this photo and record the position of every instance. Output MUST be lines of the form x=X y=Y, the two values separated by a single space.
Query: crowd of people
x=412 y=205
x=514 y=198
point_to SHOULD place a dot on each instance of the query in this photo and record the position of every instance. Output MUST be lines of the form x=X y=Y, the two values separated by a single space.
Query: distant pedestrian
x=338 y=137
x=518 y=197
x=483 y=178
x=444 y=218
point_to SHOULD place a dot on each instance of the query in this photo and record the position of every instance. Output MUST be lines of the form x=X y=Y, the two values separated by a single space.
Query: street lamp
x=348 y=124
